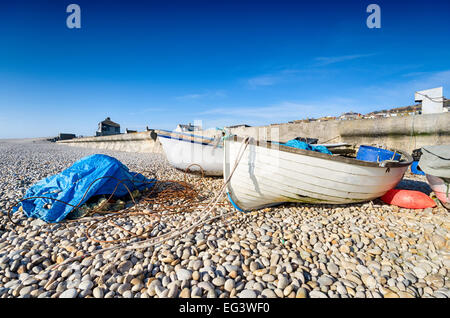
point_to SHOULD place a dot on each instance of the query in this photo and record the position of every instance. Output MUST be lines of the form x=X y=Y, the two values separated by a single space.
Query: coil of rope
x=160 y=193
x=160 y=198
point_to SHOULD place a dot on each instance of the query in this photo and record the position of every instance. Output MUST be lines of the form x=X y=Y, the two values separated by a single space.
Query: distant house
x=129 y=131
x=432 y=100
x=107 y=128
x=63 y=136
x=398 y=111
x=326 y=118
x=301 y=121
x=350 y=116
x=187 y=128
x=372 y=115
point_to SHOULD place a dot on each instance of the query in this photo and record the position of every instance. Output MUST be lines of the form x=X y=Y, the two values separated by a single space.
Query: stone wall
x=404 y=133
x=133 y=142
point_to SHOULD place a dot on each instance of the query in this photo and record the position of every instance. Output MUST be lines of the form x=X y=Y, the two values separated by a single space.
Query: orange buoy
x=408 y=199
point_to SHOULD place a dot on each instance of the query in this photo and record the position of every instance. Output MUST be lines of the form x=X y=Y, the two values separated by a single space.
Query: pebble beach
x=366 y=250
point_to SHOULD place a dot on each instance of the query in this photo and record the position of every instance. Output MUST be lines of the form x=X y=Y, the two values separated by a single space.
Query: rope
x=171 y=190
x=207 y=210
x=413 y=136
x=81 y=200
x=186 y=194
x=192 y=165
x=330 y=139
x=433 y=99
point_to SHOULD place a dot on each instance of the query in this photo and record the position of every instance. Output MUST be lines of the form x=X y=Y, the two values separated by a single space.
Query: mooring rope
x=175 y=233
x=205 y=216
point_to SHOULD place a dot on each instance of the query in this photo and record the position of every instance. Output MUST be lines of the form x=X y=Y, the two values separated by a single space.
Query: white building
x=188 y=128
x=432 y=100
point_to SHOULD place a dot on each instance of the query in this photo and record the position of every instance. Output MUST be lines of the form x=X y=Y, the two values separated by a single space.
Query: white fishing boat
x=441 y=188
x=193 y=152
x=269 y=174
x=435 y=162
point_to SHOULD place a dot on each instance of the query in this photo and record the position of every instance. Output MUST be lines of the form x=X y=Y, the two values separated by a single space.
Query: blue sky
x=158 y=64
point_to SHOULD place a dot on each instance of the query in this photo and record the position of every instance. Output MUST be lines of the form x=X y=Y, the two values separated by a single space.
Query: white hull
x=184 y=153
x=440 y=188
x=271 y=175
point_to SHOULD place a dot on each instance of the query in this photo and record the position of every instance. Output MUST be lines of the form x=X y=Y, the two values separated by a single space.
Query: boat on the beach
x=193 y=152
x=435 y=162
x=270 y=173
x=441 y=187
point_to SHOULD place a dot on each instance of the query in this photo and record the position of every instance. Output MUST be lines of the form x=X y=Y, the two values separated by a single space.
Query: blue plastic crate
x=374 y=154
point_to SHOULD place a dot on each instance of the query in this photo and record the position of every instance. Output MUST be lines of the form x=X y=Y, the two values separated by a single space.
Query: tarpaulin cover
x=71 y=185
x=303 y=145
x=415 y=168
x=435 y=160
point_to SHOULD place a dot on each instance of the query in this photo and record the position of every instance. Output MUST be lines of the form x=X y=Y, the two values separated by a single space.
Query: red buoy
x=408 y=199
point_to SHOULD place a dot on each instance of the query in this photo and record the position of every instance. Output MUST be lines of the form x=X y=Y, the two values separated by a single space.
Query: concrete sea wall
x=133 y=142
x=404 y=133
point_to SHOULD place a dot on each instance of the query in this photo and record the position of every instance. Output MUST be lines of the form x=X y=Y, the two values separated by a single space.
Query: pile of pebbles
x=359 y=250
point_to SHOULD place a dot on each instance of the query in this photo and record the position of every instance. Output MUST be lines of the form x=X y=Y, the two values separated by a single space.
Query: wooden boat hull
x=270 y=174
x=190 y=151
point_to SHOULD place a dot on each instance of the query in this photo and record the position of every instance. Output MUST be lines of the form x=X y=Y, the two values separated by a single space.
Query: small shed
x=64 y=136
x=432 y=100
x=187 y=128
x=107 y=128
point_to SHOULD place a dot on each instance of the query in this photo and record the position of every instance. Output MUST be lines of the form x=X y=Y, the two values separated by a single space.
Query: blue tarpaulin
x=303 y=145
x=71 y=185
x=415 y=170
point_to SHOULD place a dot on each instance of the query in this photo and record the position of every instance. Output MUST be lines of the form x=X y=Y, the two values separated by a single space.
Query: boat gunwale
x=183 y=134
x=268 y=144
x=207 y=141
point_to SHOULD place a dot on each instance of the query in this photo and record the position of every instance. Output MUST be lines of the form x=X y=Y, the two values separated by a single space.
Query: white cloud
x=283 y=111
x=191 y=96
x=401 y=93
x=265 y=80
x=415 y=74
x=326 y=60
x=289 y=75
x=140 y=111
x=392 y=94
x=208 y=94
x=272 y=79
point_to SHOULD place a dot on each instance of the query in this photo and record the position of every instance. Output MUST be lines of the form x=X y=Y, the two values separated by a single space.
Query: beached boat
x=435 y=162
x=441 y=187
x=269 y=174
x=198 y=153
